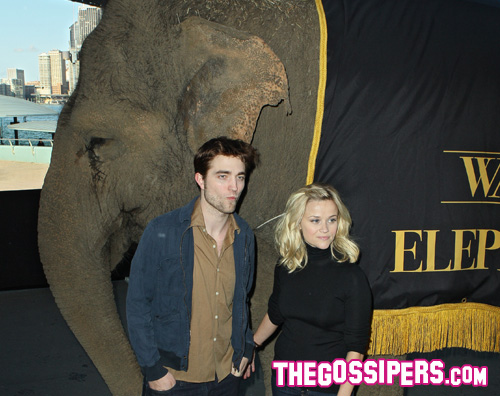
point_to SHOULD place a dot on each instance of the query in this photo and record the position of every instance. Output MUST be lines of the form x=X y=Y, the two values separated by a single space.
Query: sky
x=30 y=27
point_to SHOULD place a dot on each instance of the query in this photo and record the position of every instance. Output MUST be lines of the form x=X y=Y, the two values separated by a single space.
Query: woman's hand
x=346 y=388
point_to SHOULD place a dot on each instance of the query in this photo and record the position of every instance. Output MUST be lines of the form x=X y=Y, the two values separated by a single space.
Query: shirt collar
x=197 y=219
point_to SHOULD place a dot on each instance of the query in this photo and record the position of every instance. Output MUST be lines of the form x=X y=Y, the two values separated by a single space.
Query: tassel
x=425 y=329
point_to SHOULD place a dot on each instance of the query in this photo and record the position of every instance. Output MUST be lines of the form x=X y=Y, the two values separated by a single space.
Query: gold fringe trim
x=425 y=329
x=320 y=104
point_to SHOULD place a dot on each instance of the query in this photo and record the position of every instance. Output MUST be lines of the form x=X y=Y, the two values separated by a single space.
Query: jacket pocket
x=170 y=278
x=167 y=329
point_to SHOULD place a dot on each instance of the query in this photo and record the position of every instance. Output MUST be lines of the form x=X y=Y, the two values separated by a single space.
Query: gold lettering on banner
x=466 y=255
x=399 y=254
x=431 y=252
x=483 y=235
x=457 y=264
x=482 y=164
x=482 y=171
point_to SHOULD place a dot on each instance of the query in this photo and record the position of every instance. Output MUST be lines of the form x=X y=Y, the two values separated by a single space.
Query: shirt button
x=213 y=246
x=215 y=339
x=204 y=230
x=217 y=270
x=216 y=316
x=216 y=293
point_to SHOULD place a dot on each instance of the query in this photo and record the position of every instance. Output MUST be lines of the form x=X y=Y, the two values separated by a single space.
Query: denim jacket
x=160 y=293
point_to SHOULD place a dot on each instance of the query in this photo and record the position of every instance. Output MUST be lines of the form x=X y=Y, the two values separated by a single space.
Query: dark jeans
x=296 y=391
x=227 y=387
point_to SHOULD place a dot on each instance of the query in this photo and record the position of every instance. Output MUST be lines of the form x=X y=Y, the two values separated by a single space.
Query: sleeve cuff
x=155 y=372
x=248 y=351
x=275 y=319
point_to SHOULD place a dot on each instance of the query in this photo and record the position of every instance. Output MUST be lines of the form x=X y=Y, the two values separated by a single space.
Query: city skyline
x=34 y=27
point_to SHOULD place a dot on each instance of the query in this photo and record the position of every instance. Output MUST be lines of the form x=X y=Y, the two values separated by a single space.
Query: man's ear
x=199 y=180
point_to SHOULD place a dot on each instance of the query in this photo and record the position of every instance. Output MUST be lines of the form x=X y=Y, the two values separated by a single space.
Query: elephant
x=156 y=81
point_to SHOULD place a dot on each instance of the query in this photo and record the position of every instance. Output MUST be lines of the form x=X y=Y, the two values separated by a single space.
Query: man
x=187 y=307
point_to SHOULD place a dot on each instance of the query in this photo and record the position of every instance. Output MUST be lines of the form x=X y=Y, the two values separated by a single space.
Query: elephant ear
x=235 y=75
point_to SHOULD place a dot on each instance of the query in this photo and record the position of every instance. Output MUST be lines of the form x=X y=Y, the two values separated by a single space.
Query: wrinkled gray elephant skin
x=157 y=79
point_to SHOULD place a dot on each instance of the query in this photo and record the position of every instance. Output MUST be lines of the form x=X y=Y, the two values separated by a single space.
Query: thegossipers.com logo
x=371 y=372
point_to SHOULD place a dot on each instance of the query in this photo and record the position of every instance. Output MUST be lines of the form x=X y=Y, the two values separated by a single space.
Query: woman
x=320 y=298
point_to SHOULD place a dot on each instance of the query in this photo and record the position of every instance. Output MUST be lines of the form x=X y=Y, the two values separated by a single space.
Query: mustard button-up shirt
x=210 y=350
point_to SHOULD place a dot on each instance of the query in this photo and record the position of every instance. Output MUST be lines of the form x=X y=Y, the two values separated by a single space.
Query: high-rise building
x=74 y=73
x=15 y=73
x=16 y=82
x=5 y=89
x=29 y=91
x=17 y=87
x=57 y=72
x=73 y=65
x=52 y=68
x=74 y=39
x=45 y=74
x=88 y=19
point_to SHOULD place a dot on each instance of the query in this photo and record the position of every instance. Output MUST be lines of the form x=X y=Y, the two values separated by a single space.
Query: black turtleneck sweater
x=324 y=309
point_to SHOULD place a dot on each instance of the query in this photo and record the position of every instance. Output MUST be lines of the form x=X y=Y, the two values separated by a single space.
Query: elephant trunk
x=83 y=291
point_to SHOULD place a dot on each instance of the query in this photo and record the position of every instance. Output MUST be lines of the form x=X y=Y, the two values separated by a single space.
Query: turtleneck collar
x=319 y=254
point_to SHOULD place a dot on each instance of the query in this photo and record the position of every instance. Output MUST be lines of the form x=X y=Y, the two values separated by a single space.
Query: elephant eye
x=96 y=149
x=95 y=142
x=100 y=149
x=93 y=146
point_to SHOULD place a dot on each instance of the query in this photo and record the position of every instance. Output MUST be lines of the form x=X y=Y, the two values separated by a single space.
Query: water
x=9 y=133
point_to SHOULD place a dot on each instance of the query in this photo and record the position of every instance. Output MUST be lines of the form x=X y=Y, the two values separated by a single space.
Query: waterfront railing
x=37 y=150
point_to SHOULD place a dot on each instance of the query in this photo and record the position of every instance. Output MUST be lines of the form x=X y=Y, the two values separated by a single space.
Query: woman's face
x=319 y=223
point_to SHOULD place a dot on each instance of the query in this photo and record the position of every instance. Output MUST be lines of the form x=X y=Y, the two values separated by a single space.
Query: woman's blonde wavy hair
x=288 y=236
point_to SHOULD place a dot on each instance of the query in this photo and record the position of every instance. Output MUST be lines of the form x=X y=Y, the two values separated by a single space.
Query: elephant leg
x=263 y=289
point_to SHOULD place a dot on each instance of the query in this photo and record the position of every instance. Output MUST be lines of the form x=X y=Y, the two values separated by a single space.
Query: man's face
x=222 y=186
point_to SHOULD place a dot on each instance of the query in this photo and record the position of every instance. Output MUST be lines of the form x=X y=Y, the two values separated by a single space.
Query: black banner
x=411 y=139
